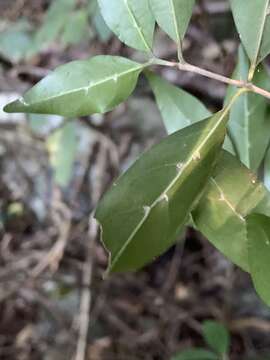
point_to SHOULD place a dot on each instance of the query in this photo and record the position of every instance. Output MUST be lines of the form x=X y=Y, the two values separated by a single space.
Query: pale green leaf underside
x=259 y=254
x=131 y=20
x=144 y=211
x=178 y=108
x=173 y=16
x=233 y=193
x=249 y=124
x=253 y=23
x=81 y=88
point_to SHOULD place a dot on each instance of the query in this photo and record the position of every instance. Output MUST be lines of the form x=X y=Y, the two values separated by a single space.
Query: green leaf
x=195 y=354
x=143 y=212
x=55 y=20
x=102 y=30
x=232 y=193
x=79 y=21
x=178 y=108
x=131 y=20
x=253 y=24
x=81 y=88
x=216 y=336
x=249 y=124
x=173 y=16
x=62 y=146
x=259 y=254
x=15 y=42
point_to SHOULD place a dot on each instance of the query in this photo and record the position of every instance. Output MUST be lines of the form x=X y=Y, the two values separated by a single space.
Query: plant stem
x=211 y=75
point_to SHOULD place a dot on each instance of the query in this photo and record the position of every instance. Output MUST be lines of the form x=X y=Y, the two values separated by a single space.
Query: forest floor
x=51 y=260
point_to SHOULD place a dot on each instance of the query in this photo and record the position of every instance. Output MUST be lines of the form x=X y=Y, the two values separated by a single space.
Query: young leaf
x=195 y=354
x=216 y=336
x=131 y=20
x=249 y=124
x=232 y=193
x=81 y=88
x=253 y=23
x=62 y=146
x=145 y=209
x=259 y=253
x=178 y=108
x=173 y=16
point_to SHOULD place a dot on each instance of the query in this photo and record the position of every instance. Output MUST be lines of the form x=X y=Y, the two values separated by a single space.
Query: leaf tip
x=15 y=106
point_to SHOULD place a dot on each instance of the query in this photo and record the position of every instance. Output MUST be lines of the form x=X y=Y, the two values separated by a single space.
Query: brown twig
x=211 y=75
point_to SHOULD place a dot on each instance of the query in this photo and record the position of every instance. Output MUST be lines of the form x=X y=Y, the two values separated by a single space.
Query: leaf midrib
x=85 y=88
x=136 y=25
x=175 y=21
x=261 y=33
x=164 y=192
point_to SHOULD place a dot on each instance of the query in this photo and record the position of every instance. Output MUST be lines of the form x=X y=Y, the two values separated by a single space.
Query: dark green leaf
x=144 y=211
x=253 y=23
x=233 y=192
x=131 y=20
x=249 y=124
x=216 y=336
x=81 y=88
x=195 y=354
x=173 y=16
x=259 y=254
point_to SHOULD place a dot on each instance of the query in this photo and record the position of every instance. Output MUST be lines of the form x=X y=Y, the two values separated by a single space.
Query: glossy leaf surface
x=249 y=124
x=143 y=212
x=232 y=193
x=216 y=336
x=81 y=88
x=173 y=16
x=253 y=24
x=131 y=20
x=259 y=254
x=178 y=108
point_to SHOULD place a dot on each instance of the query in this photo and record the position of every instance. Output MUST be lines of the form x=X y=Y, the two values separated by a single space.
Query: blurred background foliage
x=52 y=173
